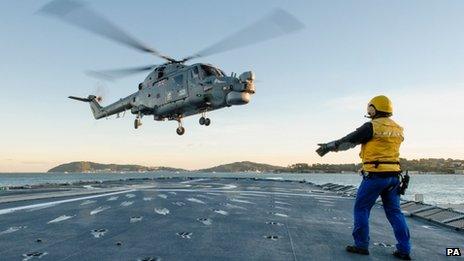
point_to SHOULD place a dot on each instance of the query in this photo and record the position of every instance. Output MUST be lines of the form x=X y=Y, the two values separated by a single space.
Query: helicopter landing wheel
x=207 y=122
x=202 y=120
x=137 y=123
x=180 y=130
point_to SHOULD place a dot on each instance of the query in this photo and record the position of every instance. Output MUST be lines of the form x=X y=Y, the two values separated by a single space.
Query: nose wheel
x=180 y=130
x=137 y=122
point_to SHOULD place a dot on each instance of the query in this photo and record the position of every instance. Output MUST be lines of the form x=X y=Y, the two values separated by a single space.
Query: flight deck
x=198 y=219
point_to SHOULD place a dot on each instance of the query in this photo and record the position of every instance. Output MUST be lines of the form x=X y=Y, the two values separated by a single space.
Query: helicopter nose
x=247 y=78
x=250 y=87
x=238 y=98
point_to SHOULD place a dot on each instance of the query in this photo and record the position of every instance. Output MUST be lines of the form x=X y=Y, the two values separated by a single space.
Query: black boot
x=357 y=250
x=401 y=256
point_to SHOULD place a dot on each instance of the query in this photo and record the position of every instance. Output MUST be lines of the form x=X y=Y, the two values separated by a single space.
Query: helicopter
x=174 y=90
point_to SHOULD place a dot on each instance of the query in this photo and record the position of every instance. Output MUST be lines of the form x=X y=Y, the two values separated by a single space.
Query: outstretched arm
x=361 y=135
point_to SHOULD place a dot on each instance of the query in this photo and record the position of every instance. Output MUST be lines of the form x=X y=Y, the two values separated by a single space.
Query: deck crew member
x=380 y=141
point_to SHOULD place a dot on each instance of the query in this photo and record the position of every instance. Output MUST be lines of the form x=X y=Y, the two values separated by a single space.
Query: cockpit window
x=211 y=71
x=221 y=72
x=194 y=73
x=179 y=79
x=160 y=72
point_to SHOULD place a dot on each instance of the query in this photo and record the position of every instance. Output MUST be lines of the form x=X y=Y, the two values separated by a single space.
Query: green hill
x=419 y=166
x=243 y=166
x=87 y=166
x=445 y=166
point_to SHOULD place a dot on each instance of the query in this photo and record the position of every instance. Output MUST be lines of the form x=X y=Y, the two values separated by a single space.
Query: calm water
x=437 y=189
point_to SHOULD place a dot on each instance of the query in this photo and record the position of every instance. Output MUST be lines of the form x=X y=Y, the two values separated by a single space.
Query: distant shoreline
x=417 y=166
x=438 y=166
x=194 y=172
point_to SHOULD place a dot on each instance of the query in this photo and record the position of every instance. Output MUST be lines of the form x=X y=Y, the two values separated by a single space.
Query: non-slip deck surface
x=201 y=219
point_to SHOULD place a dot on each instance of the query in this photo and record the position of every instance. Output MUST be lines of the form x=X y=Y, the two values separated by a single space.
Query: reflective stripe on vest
x=382 y=152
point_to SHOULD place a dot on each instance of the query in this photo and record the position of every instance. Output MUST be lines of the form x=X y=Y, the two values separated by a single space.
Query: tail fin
x=94 y=105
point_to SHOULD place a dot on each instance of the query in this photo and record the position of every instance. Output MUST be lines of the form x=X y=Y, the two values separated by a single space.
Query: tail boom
x=100 y=112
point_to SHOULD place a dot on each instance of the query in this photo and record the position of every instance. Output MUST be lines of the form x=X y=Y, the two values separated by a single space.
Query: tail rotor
x=101 y=91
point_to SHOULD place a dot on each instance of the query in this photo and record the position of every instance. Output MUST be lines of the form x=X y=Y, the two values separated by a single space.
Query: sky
x=312 y=86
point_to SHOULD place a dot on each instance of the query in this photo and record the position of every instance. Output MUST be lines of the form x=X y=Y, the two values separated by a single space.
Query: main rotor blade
x=79 y=14
x=119 y=73
x=275 y=24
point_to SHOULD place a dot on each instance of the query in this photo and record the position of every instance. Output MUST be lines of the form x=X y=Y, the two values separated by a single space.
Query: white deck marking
x=282 y=203
x=228 y=205
x=163 y=196
x=59 y=219
x=258 y=193
x=162 y=211
x=126 y=203
x=130 y=195
x=229 y=186
x=135 y=219
x=113 y=198
x=195 y=200
x=89 y=187
x=28 y=256
x=87 y=202
x=222 y=212
x=98 y=210
x=53 y=203
x=241 y=201
x=12 y=229
x=97 y=233
x=325 y=201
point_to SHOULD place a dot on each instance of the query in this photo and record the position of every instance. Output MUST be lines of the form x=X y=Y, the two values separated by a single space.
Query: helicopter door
x=193 y=79
x=179 y=86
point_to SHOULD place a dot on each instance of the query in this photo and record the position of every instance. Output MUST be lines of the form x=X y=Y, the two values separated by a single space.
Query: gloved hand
x=324 y=148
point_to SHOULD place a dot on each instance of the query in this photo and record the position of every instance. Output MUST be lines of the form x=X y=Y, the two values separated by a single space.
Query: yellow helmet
x=382 y=103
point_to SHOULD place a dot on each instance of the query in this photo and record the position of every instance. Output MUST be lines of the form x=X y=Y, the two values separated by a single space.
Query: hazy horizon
x=189 y=169
x=313 y=85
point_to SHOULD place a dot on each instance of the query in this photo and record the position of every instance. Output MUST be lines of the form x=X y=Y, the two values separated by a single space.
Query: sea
x=437 y=189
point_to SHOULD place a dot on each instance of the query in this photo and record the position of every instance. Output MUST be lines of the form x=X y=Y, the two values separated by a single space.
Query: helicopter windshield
x=211 y=71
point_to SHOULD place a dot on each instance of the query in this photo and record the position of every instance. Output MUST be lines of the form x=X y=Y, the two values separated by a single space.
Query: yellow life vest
x=382 y=152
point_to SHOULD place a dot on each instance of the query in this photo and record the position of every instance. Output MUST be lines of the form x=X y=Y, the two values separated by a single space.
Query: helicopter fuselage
x=174 y=91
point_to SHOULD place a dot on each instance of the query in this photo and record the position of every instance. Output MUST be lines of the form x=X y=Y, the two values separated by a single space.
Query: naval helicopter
x=174 y=90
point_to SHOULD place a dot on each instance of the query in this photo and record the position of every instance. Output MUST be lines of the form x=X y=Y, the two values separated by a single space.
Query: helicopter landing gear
x=204 y=121
x=138 y=122
x=180 y=130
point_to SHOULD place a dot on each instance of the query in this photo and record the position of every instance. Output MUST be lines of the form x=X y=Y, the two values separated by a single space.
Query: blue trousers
x=369 y=190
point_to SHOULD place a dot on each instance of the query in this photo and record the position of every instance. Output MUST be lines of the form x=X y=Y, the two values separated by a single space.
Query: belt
x=378 y=162
x=386 y=174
